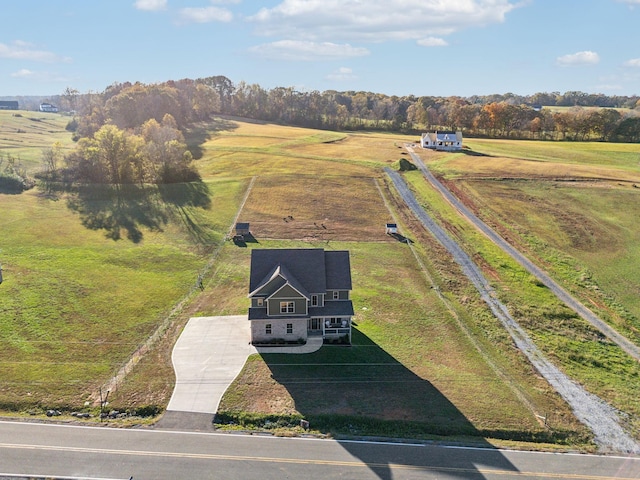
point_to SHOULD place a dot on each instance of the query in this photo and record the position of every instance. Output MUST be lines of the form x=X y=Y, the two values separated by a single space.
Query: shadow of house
x=362 y=391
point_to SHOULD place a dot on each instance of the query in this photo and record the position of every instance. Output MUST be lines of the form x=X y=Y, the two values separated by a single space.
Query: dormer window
x=314 y=300
x=336 y=295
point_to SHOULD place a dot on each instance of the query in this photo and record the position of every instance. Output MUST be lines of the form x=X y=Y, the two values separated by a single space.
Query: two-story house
x=296 y=293
x=447 y=141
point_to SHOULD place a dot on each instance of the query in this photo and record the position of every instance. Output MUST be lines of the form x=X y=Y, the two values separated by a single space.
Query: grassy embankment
x=578 y=221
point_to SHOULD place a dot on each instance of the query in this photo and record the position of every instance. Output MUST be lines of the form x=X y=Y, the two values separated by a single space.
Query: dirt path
x=601 y=418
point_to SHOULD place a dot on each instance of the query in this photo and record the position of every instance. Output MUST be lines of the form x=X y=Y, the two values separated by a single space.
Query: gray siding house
x=296 y=293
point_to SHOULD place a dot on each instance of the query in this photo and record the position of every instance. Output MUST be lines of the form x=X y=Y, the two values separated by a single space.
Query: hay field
x=24 y=134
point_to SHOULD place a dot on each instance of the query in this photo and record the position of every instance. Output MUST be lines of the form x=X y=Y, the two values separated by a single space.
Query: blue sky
x=396 y=47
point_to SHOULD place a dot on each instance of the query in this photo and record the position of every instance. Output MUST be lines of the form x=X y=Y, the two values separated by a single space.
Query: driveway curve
x=207 y=357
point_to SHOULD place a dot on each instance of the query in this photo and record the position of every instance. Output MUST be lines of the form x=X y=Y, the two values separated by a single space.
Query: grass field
x=88 y=278
x=24 y=135
x=585 y=233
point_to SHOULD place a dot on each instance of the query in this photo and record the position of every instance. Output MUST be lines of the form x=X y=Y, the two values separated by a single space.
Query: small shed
x=242 y=228
x=391 y=228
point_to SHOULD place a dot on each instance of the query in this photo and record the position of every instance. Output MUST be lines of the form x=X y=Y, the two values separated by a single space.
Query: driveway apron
x=207 y=357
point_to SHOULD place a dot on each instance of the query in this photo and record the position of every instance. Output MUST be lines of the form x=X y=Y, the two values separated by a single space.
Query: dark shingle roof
x=312 y=268
x=338 y=270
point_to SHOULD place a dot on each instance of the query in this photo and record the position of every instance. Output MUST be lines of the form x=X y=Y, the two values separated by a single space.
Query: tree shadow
x=198 y=134
x=126 y=210
x=362 y=391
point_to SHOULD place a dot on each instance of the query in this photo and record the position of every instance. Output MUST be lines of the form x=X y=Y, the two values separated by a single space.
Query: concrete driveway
x=206 y=358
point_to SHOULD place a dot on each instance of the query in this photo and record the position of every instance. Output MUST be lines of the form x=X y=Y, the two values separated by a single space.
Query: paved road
x=560 y=292
x=56 y=451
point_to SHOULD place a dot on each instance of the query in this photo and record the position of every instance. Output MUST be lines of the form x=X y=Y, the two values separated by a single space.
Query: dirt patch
x=320 y=209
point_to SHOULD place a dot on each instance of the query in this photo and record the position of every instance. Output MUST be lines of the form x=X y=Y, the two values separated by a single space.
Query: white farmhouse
x=446 y=140
x=47 y=107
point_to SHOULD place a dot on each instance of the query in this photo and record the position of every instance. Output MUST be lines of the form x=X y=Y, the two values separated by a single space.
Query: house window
x=336 y=295
x=289 y=328
x=314 y=300
x=260 y=301
x=267 y=329
x=287 y=307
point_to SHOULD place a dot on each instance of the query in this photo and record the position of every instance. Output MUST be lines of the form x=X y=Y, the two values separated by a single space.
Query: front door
x=315 y=324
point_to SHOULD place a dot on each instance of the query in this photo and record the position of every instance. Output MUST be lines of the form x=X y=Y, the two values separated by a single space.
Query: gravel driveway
x=601 y=418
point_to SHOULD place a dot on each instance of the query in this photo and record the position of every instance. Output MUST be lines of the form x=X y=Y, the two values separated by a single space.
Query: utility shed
x=391 y=228
x=242 y=228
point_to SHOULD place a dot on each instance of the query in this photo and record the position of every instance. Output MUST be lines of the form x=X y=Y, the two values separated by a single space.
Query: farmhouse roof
x=308 y=270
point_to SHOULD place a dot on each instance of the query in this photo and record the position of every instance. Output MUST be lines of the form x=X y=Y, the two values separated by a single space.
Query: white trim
x=302 y=295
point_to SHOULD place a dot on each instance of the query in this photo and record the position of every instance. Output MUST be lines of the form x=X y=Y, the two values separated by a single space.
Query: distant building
x=47 y=107
x=391 y=228
x=446 y=140
x=9 y=105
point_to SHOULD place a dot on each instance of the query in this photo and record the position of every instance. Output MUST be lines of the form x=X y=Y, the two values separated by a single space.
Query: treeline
x=131 y=134
x=573 y=116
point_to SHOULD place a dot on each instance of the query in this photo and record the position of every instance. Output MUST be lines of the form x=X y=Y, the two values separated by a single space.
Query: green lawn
x=585 y=234
x=89 y=276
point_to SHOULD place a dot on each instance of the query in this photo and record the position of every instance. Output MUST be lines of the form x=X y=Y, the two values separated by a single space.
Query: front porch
x=330 y=328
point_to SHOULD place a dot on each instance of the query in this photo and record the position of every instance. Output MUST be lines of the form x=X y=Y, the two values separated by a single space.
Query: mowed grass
x=579 y=155
x=411 y=370
x=24 y=134
x=430 y=366
x=429 y=374
x=585 y=234
x=252 y=148
x=75 y=304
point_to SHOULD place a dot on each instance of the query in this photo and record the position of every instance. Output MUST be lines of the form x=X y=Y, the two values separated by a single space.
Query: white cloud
x=432 y=42
x=19 y=50
x=150 y=5
x=580 y=58
x=376 y=20
x=205 y=15
x=307 y=51
x=44 y=77
x=23 y=73
x=634 y=62
x=342 y=74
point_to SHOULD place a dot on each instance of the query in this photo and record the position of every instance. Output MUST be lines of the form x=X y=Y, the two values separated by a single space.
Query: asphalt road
x=57 y=451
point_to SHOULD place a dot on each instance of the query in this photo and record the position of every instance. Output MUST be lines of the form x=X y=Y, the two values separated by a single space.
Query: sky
x=395 y=47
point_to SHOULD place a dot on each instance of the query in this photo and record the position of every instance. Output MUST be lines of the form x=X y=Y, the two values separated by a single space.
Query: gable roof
x=275 y=281
x=308 y=270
